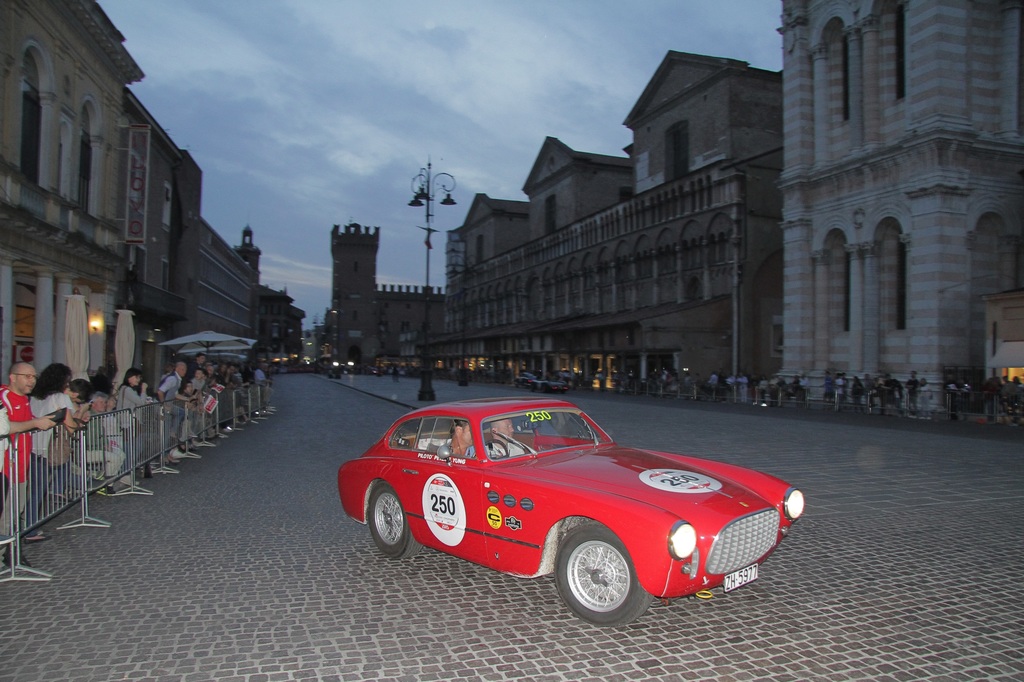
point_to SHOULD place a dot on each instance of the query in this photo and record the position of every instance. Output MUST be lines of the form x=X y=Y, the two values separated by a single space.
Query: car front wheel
x=596 y=579
x=388 y=525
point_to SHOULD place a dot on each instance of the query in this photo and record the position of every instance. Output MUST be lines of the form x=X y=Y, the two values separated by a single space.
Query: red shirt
x=18 y=409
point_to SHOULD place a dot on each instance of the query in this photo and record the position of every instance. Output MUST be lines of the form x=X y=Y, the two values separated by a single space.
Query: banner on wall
x=138 y=176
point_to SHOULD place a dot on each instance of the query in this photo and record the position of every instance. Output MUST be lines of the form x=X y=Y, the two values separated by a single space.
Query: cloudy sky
x=307 y=113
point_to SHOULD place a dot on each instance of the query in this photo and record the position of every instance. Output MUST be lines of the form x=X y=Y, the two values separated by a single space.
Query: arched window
x=31 y=119
x=84 y=162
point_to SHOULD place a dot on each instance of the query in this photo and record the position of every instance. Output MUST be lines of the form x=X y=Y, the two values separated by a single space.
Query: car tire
x=596 y=579
x=388 y=525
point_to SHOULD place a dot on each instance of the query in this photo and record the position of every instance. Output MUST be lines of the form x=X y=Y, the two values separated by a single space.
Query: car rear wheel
x=596 y=579
x=388 y=525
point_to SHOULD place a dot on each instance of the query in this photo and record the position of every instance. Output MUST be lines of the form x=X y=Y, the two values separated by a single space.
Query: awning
x=1008 y=354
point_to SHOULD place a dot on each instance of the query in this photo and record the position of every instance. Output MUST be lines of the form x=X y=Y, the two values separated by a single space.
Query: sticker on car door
x=444 y=510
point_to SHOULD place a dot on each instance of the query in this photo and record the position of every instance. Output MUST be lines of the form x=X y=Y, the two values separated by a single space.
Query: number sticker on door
x=444 y=510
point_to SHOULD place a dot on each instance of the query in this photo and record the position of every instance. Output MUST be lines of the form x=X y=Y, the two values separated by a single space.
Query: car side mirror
x=444 y=452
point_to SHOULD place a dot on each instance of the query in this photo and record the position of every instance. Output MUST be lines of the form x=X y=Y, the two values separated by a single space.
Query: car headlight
x=682 y=540
x=793 y=504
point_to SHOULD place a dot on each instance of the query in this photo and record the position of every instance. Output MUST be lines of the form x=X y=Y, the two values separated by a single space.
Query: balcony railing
x=145 y=299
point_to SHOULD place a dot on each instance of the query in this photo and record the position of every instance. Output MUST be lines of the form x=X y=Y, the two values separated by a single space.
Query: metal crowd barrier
x=934 y=402
x=110 y=454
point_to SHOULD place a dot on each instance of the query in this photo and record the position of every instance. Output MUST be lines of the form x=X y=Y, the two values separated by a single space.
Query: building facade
x=279 y=337
x=668 y=259
x=63 y=69
x=97 y=200
x=902 y=182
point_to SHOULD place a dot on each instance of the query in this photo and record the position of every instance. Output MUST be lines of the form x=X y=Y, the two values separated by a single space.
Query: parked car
x=525 y=380
x=544 y=489
x=535 y=382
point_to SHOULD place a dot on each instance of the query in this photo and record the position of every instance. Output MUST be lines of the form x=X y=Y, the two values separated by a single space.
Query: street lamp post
x=425 y=186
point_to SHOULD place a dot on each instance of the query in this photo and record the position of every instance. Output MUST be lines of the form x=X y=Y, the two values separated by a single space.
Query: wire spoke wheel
x=388 y=525
x=389 y=519
x=596 y=578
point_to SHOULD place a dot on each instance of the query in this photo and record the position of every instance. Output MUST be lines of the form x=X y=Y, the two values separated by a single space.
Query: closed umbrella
x=124 y=344
x=76 y=337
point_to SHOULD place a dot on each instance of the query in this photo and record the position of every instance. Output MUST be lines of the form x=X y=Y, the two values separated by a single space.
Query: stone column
x=47 y=173
x=869 y=80
x=856 y=86
x=871 y=333
x=613 y=270
x=44 y=336
x=1009 y=70
x=856 y=274
x=680 y=277
x=7 y=305
x=798 y=297
x=820 y=327
x=654 y=278
x=819 y=55
x=63 y=291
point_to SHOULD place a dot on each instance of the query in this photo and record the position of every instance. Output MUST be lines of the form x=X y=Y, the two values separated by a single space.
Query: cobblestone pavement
x=907 y=566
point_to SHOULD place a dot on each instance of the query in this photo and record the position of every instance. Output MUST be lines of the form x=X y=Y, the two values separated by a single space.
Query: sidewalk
x=404 y=392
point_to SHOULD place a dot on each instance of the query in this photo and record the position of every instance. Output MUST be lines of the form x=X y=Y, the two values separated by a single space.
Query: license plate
x=740 y=578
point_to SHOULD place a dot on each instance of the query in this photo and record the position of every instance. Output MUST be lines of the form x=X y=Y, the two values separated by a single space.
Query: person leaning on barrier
x=50 y=465
x=16 y=418
x=104 y=442
x=132 y=393
x=169 y=392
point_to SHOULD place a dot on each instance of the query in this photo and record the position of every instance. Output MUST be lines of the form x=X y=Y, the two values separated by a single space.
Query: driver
x=502 y=442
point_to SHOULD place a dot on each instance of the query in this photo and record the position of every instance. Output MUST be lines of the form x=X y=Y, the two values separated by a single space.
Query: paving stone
x=907 y=565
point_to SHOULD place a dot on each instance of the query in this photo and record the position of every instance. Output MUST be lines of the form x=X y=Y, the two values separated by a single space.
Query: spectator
x=132 y=395
x=829 y=395
x=1010 y=398
x=857 y=393
x=16 y=418
x=133 y=391
x=104 y=443
x=912 y=385
x=51 y=451
x=169 y=393
x=991 y=389
x=924 y=399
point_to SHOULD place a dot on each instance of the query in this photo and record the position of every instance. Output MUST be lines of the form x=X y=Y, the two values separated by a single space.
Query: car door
x=441 y=496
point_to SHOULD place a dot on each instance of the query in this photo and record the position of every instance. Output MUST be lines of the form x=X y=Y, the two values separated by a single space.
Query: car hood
x=672 y=482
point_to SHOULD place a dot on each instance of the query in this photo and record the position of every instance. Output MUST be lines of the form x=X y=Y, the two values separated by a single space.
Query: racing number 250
x=442 y=504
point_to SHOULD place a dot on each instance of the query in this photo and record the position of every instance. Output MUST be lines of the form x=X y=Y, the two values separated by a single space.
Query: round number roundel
x=678 y=481
x=444 y=510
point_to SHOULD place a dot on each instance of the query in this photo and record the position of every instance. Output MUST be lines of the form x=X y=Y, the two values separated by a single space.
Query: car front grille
x=743 y=541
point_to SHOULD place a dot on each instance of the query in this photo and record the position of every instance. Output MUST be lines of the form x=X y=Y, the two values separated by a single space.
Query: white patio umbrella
x=76 y=337
x=124 y=344
x=209 y=342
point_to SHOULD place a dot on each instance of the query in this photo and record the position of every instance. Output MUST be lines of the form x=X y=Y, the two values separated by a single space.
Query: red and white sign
x=138 y=176
x=25 y=353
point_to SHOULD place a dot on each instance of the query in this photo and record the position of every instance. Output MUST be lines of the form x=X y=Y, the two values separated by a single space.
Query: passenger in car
x=462 y=439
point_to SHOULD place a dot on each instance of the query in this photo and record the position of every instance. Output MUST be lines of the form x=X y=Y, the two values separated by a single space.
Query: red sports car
x=542 y=488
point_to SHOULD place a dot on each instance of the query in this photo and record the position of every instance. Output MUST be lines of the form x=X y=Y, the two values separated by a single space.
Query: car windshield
x=529 y=432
